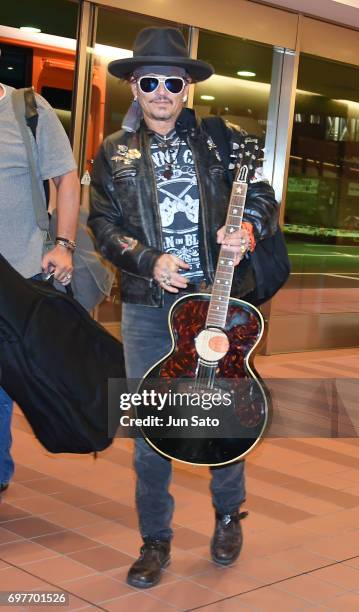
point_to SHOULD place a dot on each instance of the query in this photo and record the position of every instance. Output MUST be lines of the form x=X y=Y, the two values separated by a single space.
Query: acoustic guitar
x=208 y=404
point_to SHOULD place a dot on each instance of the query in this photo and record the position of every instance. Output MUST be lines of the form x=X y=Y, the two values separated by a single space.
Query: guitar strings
x=202 y=375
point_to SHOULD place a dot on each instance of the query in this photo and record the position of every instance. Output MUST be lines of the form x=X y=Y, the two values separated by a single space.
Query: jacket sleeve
x=261 y=208
x=106 y=222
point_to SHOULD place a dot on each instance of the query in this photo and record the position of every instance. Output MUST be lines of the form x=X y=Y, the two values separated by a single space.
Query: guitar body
x=204 y=360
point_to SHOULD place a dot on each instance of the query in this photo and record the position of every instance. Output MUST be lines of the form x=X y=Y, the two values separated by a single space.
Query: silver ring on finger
x=166 y=279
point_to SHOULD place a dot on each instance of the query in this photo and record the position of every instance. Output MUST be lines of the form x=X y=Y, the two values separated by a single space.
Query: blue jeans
x=146 y=340
x=6 y=461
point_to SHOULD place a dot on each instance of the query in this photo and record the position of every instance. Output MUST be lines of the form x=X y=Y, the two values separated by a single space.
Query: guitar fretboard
x=218 y=307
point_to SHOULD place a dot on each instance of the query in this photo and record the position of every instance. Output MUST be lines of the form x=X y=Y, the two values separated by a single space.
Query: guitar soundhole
x=211 y=345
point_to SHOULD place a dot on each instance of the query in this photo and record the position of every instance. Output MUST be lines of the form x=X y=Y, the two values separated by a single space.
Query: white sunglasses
x=173 y=84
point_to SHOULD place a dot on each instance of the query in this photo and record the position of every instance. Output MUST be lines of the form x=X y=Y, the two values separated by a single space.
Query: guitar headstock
x=249 y=156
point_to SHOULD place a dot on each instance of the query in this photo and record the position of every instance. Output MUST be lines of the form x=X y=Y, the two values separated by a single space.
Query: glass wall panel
x=57 y=17
x=322 y=214
x=239 y=90
x=43 y=54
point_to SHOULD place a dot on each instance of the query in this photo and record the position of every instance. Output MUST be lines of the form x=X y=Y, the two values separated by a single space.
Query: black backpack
x=269 y=260
x=55 y=363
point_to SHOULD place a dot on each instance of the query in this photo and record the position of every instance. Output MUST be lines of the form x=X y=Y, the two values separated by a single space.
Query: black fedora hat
x=161 y=47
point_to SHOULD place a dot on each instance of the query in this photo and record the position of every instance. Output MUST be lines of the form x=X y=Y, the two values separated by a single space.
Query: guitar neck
x=218 y=307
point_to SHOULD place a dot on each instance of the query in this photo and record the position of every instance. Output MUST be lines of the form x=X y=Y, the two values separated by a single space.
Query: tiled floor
x=67 y=523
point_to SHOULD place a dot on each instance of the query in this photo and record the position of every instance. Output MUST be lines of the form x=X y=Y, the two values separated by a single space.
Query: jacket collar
x=186 y=121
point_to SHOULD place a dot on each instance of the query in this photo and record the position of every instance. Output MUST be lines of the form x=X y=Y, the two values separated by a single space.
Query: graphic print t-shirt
x=178 y=198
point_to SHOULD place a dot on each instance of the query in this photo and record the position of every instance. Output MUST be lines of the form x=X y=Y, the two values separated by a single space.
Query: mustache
x=161 y=98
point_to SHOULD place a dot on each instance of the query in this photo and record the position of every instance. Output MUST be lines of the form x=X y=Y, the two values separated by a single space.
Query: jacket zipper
x=157 y=206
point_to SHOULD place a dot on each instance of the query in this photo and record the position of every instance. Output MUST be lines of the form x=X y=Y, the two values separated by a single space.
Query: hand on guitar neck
x=237 y=242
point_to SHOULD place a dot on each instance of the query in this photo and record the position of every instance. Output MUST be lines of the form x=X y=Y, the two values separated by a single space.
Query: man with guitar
x=160 y=192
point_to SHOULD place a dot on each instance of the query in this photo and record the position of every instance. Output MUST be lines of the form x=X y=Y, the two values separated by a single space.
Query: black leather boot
x=146 y=571
x=227 y=539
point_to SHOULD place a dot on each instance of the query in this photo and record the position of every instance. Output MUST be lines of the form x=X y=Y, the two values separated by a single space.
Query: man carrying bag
x=55 y=360
x=22 y=227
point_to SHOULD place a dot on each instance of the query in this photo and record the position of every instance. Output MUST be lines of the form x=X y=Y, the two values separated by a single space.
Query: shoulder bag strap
x=37 y=193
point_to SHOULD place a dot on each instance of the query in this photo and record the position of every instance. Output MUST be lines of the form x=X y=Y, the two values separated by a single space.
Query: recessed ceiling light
x=208 y=98
x=30 y=29
x=246 y=73
x=10 y=67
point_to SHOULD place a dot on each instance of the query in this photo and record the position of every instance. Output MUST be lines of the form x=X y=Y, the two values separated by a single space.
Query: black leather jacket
x=125 y=217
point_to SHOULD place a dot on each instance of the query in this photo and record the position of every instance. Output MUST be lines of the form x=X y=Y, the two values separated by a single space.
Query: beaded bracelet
x=249 y=227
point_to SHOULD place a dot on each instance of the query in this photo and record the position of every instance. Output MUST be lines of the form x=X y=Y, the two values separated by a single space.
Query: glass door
x=320 y=304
